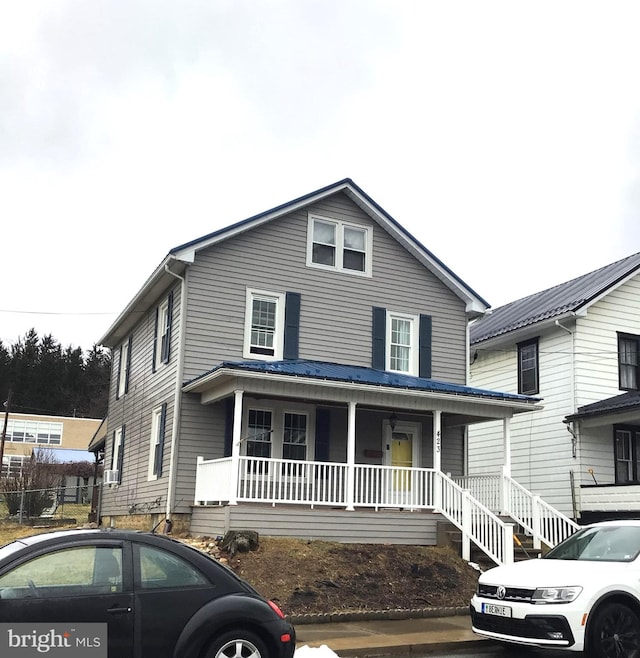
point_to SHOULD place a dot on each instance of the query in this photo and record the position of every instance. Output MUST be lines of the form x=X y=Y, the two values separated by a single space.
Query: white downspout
x=177 y=401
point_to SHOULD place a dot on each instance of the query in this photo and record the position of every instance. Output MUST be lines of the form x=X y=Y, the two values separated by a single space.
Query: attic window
x=336 y=245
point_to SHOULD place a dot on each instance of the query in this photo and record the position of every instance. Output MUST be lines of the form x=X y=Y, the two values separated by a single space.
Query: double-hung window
x=258 y=439
x=627 y=454
x=628 y=362
x=528 y=375
x=162 y=333
x=264 y=325
x=156 y=450
x=124 y=366
x=336 y=245
x=117 y=451
x=402 y=349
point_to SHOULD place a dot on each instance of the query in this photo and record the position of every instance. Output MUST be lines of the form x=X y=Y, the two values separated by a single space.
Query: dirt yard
x=311 y=577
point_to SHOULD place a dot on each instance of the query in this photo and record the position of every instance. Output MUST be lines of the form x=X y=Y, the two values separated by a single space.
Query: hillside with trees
x=45 y=378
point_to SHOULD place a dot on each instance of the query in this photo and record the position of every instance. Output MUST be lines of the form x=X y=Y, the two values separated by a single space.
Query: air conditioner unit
x=111 y=477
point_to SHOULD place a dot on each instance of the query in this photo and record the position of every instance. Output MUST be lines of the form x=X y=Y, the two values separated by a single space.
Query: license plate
x=499 y=610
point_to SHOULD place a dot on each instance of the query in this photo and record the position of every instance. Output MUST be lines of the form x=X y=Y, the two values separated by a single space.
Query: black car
x=150 y=595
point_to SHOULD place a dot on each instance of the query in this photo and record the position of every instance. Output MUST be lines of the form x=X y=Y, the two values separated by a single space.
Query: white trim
x=414 y=320
x=117 y=447
x=154 y=440
x=163 y=329
x=415 y=429
x=340 y=226
x=278 y=336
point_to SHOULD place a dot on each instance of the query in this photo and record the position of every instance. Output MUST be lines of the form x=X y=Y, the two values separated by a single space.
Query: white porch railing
x=288 y=481
x=506 y=497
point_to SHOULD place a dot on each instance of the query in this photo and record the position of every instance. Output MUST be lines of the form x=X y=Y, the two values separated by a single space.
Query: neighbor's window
x=628 y=362
x=528 y=376
x=402 y=344
x=264 y=325
x=627 y=442
x=335 y=245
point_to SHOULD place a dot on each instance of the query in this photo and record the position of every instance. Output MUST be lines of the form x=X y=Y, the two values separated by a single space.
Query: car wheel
x=615 y=633
x=237 y=644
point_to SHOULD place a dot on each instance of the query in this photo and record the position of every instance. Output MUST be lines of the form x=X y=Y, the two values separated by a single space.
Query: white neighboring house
x=575 y=346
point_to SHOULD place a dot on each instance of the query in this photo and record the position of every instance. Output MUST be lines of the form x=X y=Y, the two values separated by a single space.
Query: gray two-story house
x=302 y=372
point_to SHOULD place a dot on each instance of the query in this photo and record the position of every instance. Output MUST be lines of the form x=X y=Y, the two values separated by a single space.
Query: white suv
x=584 y=595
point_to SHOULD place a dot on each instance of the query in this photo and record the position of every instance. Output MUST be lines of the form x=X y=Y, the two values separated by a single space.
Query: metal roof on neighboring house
x=563 y=299
x=617 y=404
x=360 y=375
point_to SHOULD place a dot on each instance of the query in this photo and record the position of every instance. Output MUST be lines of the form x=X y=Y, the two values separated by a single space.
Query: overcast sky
x=505 y=136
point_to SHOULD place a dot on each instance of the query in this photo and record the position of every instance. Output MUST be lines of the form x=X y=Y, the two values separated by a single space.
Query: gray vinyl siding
x=147 y=390
x=336 y=308
x=381 y=527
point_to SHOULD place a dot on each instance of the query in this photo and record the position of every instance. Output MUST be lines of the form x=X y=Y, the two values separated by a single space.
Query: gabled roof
x=336 y=372
x=618 y=404
x=179 y=257
x=566 y=299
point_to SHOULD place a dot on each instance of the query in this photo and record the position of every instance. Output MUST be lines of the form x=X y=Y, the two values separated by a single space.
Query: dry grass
x=324 y=577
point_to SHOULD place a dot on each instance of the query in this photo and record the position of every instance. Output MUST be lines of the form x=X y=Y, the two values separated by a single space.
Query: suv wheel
x=615 y=633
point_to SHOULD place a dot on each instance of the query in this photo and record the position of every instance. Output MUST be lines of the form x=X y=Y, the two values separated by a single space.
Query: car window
x=79 y=571
x=159 y=568
x=606 y=543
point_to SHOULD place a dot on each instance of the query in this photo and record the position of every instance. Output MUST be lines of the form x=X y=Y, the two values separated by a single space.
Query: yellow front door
x=402 y=456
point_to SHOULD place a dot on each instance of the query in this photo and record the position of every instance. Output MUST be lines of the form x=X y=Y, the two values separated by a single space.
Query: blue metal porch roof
x=360 y=375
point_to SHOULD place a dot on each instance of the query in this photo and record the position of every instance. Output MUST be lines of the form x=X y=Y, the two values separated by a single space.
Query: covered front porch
x=321 y=436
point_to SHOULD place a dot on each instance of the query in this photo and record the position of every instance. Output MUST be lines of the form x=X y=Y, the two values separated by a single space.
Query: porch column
x=351 y=456
x=506 y=438
x=235 y=447
x=437 y=458
x=506 y=464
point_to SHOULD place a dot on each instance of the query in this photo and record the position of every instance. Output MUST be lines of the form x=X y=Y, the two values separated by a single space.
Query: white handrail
x=477 y=522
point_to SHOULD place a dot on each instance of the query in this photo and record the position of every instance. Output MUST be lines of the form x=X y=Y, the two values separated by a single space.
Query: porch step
x=449 y=535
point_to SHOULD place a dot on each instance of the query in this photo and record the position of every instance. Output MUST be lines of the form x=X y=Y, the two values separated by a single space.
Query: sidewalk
x=391 y=636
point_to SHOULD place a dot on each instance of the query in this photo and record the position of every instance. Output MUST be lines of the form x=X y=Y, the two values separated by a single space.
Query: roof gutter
x=177 y=400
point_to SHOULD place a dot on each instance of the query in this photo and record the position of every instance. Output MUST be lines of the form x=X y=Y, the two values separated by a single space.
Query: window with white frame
x=264 y=325
x=124 y=365
x=528 y=368
x=336 y=245
x=117 y=451
x=294 y=436
x=34 y=431
x=258 y=439
x=156 y=448
x=162 y=337
x=402 y=343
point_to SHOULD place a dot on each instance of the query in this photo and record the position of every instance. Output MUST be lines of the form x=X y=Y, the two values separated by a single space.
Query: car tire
x=237 y=644
x=614 y=632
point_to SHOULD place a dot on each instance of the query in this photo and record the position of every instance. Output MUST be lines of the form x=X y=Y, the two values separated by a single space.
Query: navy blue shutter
x=291 y=325
x=166 y=346
x=323 y=422
x=155 y=340
x=157 y=465
x=425 y=346
x=118 y=375
x=126 y=381
x=228 y=427
x=379 y=336
x=121 y=455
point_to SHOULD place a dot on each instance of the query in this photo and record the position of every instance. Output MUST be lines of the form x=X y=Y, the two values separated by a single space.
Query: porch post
x=235 y=447
x=351 y=456
x=437 y=458
x=506 y=434
x=506 y=466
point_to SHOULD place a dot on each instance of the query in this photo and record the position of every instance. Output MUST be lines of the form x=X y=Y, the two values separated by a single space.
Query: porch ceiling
x=319 y=381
